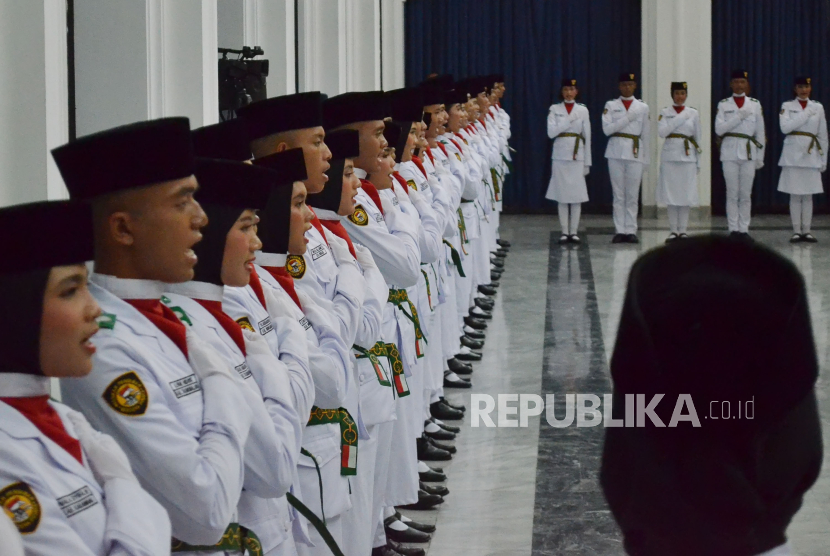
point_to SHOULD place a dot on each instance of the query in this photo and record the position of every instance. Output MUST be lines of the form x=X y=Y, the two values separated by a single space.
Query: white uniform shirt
x=687 y=122
x=615 y=120
x=729 y=120
x=794 y=118
x=55 y=500
x=560 y=121
x=187 y=458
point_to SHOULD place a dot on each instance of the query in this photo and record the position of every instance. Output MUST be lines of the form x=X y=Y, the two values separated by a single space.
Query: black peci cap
x=803 y=80
x=233 y=184
x=407 y=105
x=126 y=157
x=568 y=82
x=739 y=74
x=343 y=144
x=350 y=108
x=58 y=233
x=289 y=165
x=627 y=76
x=679 y=86
x=281 y=114
x=227 y=140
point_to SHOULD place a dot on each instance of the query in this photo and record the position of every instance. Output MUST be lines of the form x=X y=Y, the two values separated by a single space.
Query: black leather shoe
x=478 y=324
x=735 y=235
x=442 y=411
x=446 y=447
x=405 y=550
x=464 y=371
x=457 y=407
x=460 y=383
x=495 y=276
x=485 y=303
x=475 y=335
x=472 y=356
x=423 y=527
x=440 y=490
x=631 y=238
x=618 y=238
x=432 y=476
x=487 y=290
x=428 y=452
x=384 y=551
x=493 y=285
x=470 y=343
x=407 y=535
x=500 y=253
x=809 y=238
x=503 y=243
x=425 y=501
x=440 y=434
x=479 y=313
x=457 y=367
x=446 y=427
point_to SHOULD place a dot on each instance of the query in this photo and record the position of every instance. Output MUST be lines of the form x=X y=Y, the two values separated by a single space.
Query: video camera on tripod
x=241 y=80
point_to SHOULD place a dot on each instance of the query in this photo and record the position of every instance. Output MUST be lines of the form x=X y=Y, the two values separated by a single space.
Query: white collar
x=129 y=288
x=626 y=98
x=742 y=95
x=569 y=101
x=324 y=214
x=198 y=290
x=678 y=105
x=19 y=385
x=360 y=173
x=271 y=259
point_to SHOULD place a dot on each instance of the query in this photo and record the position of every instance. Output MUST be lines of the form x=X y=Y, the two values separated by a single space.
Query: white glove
x=586 y=170
x=633 y=115
x=813 y=110
x=574 y=116
x=416 y=197
x=364 y=257
x=269 y=372
x=744 y=113
x=106 y=458
x=204 y=360
x=276 y=305
x=340 y=249
x=255 y=343
x=386 y=204
x=823 y=168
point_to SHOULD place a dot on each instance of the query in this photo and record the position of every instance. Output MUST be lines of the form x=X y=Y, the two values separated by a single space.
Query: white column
x=677 y=46
x=33 y=99
x=323 y=46
x=268 y=24
x=363 y=45
x=393 y=44
x=142 y=59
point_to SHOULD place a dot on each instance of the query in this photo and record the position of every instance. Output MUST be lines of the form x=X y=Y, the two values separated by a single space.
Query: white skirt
x=800 y=181
x=678 y=184
x=567 y=183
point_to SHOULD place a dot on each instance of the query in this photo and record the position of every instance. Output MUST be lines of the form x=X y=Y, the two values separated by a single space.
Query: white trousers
x=569 y=217
x=739 y=176
x=801 y=211
x=626 y=176
x=335 y=527
x=384 y=450
x=359 y=522
x=678 y=218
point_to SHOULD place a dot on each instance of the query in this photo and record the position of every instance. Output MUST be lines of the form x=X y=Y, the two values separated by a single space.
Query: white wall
x=677 y=46
x=393 y=44
x=33 y=98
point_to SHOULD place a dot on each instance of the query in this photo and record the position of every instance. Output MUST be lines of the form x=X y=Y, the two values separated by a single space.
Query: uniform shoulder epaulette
x=724 y=100
x=817 y=102
x=106 y=321
x=579 y=103
x=754 y=99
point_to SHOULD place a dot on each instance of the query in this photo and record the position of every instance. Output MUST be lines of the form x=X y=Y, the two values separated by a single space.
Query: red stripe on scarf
x=230 y=325
x=164 y=318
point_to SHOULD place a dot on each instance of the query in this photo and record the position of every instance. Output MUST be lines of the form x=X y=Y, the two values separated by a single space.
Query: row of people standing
x=269 y=377
x=740 y=131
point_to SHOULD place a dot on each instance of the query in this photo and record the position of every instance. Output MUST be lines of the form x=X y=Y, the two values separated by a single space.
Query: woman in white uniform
x=679 y=125
x=570 y=128
x=804 y=156
x=66 y=487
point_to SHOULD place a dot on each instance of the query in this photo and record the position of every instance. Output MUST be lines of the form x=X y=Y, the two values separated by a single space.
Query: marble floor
x=534 y=490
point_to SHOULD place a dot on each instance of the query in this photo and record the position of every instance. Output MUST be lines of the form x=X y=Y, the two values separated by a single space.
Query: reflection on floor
x=533 y=490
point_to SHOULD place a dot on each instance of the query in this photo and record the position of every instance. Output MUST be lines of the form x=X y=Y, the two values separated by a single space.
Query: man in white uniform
x=174 y=405
x=740 y=125
x=625 y=120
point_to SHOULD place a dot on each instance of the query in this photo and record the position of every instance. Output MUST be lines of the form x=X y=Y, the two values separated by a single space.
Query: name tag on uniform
x=76 y=502
x=618 y=110
x=305 y=324
x=185 y=386
x=317 y=252
x=395 y=201
x=243 y=370
x=378 y=218
x=729 y=111
x=265 y=326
